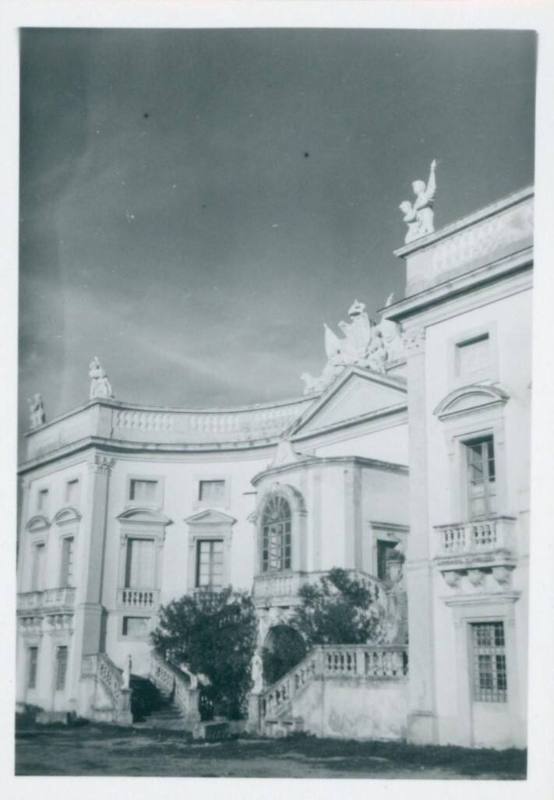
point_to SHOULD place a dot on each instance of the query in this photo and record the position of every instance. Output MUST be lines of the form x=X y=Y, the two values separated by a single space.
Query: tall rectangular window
x=139 y=564
x=481 y=477
x=32 y=667
x=68 y=551
x=212 y=493
x=209 y=563
x=473 y=355
x=42 y=500
x=37 y=567
x=61 y=667
x=490 y=682
x=143 y=491
x=72 y=492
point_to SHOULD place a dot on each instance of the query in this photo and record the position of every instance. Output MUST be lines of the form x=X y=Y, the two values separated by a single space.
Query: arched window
x=276 y=535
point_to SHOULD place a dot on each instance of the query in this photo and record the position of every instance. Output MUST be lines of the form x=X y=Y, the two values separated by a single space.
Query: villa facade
x=405 y=462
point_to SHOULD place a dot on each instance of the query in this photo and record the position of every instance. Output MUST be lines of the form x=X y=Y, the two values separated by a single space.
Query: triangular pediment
x=468 y=399
x=67 y=514
x=210 y=516
x=37 y=523
x=356 y=394
x=147 y=516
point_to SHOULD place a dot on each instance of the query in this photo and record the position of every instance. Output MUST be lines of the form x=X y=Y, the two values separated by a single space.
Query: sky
x=195 y=204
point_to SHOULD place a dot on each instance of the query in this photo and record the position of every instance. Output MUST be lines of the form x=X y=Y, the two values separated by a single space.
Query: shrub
x=215 y=635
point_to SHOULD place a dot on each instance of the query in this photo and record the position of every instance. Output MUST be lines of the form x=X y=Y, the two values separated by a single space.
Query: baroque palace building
x=406 y=462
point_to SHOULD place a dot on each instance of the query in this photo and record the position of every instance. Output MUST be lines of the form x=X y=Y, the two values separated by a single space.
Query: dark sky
x=196 y=203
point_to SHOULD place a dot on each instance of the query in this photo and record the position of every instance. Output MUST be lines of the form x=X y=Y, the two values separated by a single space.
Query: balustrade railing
x=29 y=601
x=101 y=667
x=174 y=684
x=139 y=599
x=369 y=662
x=285 y=585
x=62 y=596
x=46 y=600
x=478 y=536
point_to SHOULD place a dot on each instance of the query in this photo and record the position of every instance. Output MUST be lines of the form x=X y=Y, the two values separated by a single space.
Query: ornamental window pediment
x=38 y=523
x=147 y=516
x=210 y=517
x=67 y=514
x=469 y=399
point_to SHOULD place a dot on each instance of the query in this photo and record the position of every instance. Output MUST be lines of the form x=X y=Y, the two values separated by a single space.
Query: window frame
x=493 y=693
x=158 y=500
x=490 y=498
x=488 y=371
x=211 y=541
x=69 y=482
x=32 y=668
x=285 y=546
x=205 y=477
x=70 y=536
x=60 y=685
x=42 y=492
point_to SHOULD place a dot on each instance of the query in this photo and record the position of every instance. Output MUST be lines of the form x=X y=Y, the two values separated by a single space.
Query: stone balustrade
x=172 y=683
x=138 y=599
x=113 y=420
x=48 y=600
x=101 y=668
x=479 y=536
x=366 y=662
x=283 y=587
x=29 y=601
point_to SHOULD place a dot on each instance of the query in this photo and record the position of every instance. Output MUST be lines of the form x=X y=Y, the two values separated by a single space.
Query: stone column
x=422 y=727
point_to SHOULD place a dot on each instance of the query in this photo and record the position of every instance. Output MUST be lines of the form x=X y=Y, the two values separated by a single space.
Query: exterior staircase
x=151 y=710
x=279 y=709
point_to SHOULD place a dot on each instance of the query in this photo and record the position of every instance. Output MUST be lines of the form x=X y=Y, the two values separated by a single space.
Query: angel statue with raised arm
x=419 y=215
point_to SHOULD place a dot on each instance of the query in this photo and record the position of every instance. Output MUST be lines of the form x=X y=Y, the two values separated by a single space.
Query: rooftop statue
x=99 y=383
x=36 y=411
x=419 y=215
x=364 y=344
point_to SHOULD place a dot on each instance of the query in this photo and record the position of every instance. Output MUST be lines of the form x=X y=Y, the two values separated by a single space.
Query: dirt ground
x=104 y=750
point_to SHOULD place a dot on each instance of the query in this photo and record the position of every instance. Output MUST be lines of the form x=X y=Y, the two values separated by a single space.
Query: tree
x=214 y=634
x=339 y=609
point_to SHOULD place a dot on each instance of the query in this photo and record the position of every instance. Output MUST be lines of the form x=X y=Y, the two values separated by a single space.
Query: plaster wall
x=460 y=719
x=353 y=709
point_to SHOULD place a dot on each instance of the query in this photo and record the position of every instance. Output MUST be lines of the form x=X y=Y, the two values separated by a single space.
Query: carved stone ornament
x=502 y=575
x=476 y=576
x=100 y=386
x=452 y=578
x=36 y=411
x=101 y=463
x=363 y=344
x=419 y=214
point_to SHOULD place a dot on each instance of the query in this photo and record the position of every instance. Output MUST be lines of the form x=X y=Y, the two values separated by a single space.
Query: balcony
x=138 y=599
x=476 y=549
x=281 y=588
x=48 y=601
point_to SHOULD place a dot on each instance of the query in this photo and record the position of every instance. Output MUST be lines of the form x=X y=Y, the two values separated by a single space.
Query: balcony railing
x=473 y=538
x=47 y=601
x=283 y=587
x=139 y=599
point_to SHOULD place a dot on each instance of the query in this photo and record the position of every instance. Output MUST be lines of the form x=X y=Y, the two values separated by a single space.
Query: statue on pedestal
x=419 y=215
x=257 y=674
x=36 y=410
x=127 y=673
x=99 y=383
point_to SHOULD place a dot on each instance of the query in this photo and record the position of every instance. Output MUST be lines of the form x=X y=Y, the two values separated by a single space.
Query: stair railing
x=110 y=677
x=172 y=683
x=366 y=661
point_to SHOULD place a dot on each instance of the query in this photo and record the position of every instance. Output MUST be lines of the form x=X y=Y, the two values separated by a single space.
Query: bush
x=214 y=635
x=338 y=609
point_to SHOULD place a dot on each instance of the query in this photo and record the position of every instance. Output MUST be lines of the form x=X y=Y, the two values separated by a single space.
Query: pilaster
x=89 y=621
x=419 y=574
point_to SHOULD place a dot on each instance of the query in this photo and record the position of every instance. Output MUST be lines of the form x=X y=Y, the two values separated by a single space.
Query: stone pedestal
x=124 y=715
x=254 y=716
